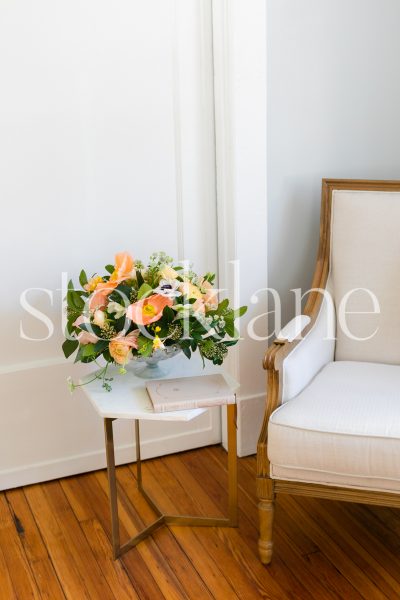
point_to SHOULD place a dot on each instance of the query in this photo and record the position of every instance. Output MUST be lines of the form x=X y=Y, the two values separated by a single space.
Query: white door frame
x=240 y=83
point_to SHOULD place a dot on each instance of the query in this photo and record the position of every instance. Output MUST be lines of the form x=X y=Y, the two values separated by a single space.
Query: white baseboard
x=124 y=453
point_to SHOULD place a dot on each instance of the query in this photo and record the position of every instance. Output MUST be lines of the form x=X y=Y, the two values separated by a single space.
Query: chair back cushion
x=365 y=255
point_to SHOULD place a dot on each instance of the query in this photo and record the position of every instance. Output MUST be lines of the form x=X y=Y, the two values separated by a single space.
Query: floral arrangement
x=136 y=311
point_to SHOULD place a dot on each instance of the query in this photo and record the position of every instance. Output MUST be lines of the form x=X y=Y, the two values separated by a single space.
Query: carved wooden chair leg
x=266 y=514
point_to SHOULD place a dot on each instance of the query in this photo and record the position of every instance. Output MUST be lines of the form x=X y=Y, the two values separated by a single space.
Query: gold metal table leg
x=183 y=520
x=112 y=482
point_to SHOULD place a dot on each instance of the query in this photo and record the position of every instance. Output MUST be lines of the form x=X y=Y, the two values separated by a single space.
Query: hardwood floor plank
x=244 y=547
x=87 y=564
x=336 y=522
x=148 y=549
x=210 y=572
x=323 y=579
x=112 y=570
x=383 y=523
x=332 y=548
x=34 y=547
x=55 y=540
x=22 y=580
x=286 y=568
x=166 y=542
x=89 y=500
x=197 y=501
x=59 y=550
x=6 y=586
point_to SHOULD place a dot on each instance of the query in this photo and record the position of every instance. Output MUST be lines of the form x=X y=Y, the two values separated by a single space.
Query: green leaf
x=71 y=320
x=144 y=290
x=109 y=268
x=239 y=312
x=100 y=346
x=69 y=347
x=145 y=345
x=107 y=356
x=74 y=300
x=168 y=314
x=88 y=350
x=209 y=277
x=230 y=343
x=83 y=278
x=222 y=306
x=86 y=353
x=186 y=351
x=90 y=328
x=229 y=327
x=139 y=278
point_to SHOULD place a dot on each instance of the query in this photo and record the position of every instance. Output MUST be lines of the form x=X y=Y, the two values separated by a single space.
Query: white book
x=185 y=393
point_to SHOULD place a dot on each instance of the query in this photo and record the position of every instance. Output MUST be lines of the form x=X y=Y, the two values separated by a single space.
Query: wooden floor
x=54 y=540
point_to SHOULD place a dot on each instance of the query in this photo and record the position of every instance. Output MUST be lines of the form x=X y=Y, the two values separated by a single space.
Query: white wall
x=333 y=111
x=106 y=144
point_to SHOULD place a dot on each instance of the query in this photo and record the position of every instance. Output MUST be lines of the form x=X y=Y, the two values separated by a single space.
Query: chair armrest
x=301 y=349
x=293 y=329
x=312 y=352
x=291 y=363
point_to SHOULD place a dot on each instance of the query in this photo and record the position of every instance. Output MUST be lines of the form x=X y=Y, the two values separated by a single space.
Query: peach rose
x=198 y=306
x=211 y=296
x=84 y=337
x=120 y=346
x=99 y=298
x=148 y=310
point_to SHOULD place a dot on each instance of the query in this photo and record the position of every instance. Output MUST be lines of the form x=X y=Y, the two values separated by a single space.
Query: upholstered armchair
x=332 y=421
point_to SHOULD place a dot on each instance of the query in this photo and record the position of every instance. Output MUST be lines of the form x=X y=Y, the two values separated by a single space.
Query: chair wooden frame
x=267 y=488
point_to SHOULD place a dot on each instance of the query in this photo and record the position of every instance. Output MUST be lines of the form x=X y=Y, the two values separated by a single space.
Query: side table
x=129 y=400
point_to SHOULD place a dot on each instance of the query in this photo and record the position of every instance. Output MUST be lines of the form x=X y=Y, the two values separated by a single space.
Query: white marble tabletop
x=129 y=398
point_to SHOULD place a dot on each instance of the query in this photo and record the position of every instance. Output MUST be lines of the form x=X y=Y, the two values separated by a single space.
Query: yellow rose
x=168 y=272
x=190 y=290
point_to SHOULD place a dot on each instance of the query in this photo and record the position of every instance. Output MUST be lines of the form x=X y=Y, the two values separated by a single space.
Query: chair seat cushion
x=342 y=429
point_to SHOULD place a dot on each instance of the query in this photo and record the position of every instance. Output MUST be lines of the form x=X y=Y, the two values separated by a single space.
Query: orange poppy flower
x=123 y=269
x=148 y=310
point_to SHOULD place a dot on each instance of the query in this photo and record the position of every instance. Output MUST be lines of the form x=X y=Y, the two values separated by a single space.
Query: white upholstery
x=365 y=253
x=311 y=353
x=342 y=429
x=294 y=328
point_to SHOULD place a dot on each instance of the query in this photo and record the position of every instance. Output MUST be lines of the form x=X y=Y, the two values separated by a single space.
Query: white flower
x=99 y=318
x=71 y=385
x=118 y=309
x=168 y=288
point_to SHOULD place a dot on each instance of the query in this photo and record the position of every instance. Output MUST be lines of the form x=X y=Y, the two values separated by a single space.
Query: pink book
x=185 y=393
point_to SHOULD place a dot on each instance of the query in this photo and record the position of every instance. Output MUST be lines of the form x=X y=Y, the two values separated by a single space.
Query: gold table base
x=163 y=519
